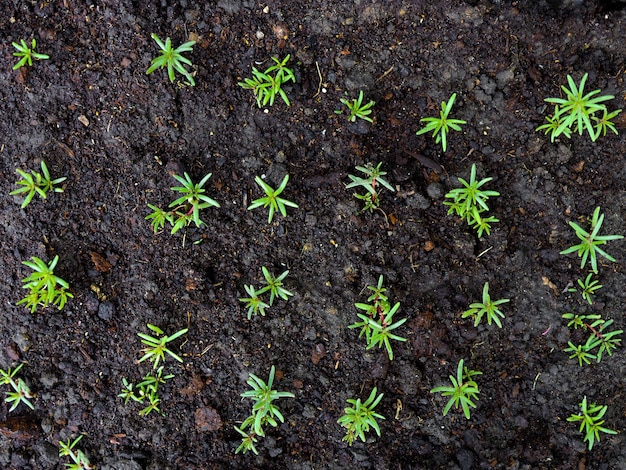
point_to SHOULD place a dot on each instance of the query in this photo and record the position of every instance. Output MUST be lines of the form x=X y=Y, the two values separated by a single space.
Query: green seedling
x=599 y=337
x=274 y=285
x=267 y=85
x=146 y=391
x=254 y=303
x=45 y=287
x=372 y=185
x=588 y=288
x=578 y=111
x=487 y=308
x=21 y=392
x=589 y=247
x=79 y=459
x=186 y=209
x=357 y=108
x=553 y=126
x=579 y=321
x=157 y=347
x=359 y=417
x=591 y=422
x=377 y=322
x=172 y=59
x=263 y=411
x=36 y=184
x=470 y=203
x=26 y=53
x=462 y=391
x=442 y=125
x=272 y=199
x=604 y=123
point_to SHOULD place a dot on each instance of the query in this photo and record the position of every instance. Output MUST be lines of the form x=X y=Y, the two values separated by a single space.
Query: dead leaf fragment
x=207 y=419
x=550 y=284
x=100 y=262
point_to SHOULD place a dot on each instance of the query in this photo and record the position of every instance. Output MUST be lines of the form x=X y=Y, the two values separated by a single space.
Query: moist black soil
x=119 y=135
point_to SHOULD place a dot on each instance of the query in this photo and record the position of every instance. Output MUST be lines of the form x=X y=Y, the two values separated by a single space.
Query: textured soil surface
x=118 y=135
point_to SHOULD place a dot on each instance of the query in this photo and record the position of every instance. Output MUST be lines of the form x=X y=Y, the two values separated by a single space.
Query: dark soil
x=118 y=135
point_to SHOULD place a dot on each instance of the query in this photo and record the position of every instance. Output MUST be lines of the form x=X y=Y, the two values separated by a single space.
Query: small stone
x=83 y=120
x=105 y=311
x=435 y=190
x=207 y=419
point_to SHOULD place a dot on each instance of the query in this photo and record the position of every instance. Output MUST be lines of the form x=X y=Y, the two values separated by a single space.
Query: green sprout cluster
x=377 y=323
x=186 y=209
x=599 y=341
x=486 y=308
x=588 y=288
x=360 y=417
x=579 y=111
x=268 y=84
x=27 y=53
x=272 y=199
x=79 y=460
x=591 y=422
x=36 y=183
x=45 y=288
x=463 y=390
x=440 y=126
x=264 y=412
x=21 y=392
x=358 y=109
x=172 y=59
x=589 y=247
x=470 y=203
x=273 y=285
x=147 y=391
x=372 y=185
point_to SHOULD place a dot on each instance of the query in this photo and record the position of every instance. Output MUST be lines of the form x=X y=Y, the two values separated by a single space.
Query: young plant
x=79 y=459
x=172 y=59
x=266 y=85
x=588 y=288
x=372 y=185
x=470 y=203
x=599 y=337
x=462 y=391
x=45 y=287
x=554 y=124
x=272 y=199
x=377 y=322
x=263 y=411
x=254 y=303
x=274 y=285
x=581 y=321
x=26 y=53
x=442 y=125
x=146 y=391
x=591 y=422
x=358 y=109
x=589 y=247
x=487 y=308
x=21 y=392
x=157 y=347
x=359 y=417
x=186 y=209
x=36 y=183
x=577 y=111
